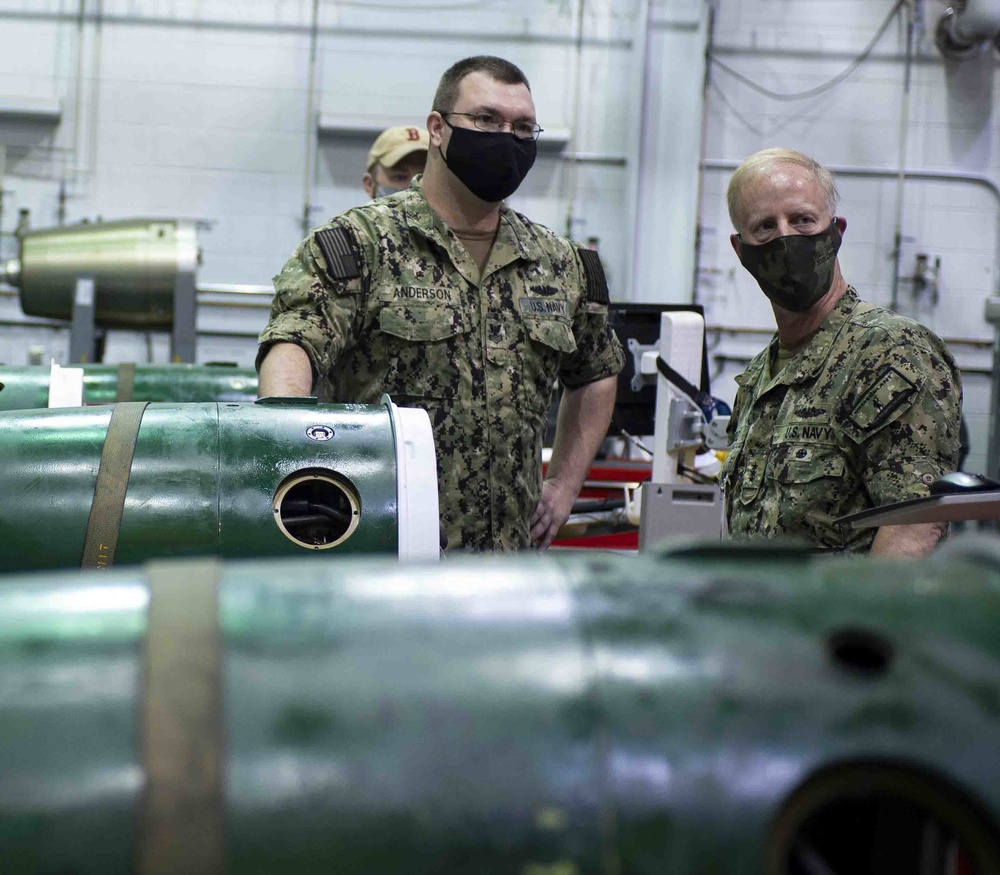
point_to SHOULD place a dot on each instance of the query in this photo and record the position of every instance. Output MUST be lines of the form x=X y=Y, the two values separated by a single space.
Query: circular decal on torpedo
x=319 y=432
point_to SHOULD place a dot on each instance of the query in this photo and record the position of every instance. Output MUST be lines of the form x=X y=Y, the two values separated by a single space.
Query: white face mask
x=386 y=190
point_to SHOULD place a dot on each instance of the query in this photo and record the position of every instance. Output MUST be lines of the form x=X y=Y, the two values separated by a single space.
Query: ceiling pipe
x=963 y=28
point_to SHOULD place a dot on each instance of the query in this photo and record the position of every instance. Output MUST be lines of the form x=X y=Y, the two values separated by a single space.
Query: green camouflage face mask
x=794 y=271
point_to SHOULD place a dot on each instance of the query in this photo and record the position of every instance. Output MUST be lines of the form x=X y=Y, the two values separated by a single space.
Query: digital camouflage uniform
x=480 y=355
x=866 y=414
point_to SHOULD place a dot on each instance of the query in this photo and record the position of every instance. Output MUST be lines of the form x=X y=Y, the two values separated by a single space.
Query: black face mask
x=794 y=271
x=491 y=165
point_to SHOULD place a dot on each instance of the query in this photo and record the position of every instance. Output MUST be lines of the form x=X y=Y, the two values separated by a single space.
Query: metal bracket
x=81 y=332
x=184 y=336
x=640 y=379
x=683 y=425
x=686 y=428
x=715 y=432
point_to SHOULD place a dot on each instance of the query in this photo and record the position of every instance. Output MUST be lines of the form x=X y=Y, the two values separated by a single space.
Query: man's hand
x=578 y=436
x=553 y=510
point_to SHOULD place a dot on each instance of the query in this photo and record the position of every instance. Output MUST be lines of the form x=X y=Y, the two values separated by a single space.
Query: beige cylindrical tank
x=135 y=262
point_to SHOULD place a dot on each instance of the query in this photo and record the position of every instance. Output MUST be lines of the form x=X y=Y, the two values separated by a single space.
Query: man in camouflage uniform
x=445 y=299
x=850 y=406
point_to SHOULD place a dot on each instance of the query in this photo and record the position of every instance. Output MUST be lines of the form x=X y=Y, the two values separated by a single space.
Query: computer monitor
x=635 y=411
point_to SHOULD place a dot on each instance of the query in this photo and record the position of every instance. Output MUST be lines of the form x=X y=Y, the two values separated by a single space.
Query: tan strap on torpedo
x=126 y=382
x=180 y=821
x=105 y=520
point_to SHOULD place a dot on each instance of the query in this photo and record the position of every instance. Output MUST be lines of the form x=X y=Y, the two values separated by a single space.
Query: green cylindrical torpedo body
x=707 y=711
x=27 y=387
x=230 y=479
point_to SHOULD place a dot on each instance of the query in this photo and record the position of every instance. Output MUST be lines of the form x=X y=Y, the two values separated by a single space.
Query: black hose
x=291 y=511
x=307 y=520
x=593 y=505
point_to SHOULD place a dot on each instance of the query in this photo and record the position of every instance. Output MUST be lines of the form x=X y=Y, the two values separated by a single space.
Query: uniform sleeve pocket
x=552 y=333
x=750 y=484
x=885 y=397
x=421 y=324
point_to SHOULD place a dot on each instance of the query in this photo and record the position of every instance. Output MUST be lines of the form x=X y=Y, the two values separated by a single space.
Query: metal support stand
x=671 y=510
x=671 y=506
x=183 y=340
x=680 y=345
x=82 y=336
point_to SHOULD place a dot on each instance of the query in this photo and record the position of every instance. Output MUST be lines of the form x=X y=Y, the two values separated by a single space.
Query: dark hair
x=503 y=71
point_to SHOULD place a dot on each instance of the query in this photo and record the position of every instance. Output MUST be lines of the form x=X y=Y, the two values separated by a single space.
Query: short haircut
x=503 y=71
x=760 y=162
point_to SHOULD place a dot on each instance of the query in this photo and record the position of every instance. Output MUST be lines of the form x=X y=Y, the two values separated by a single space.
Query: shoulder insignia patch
x=879 y=400
x=597 y=282
x=339 y=252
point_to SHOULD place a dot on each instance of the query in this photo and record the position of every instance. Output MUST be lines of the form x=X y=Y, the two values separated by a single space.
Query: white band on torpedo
x=418 y=518
x=65 y=386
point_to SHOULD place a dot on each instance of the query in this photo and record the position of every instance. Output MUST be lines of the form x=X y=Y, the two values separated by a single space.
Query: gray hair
x=761 y=161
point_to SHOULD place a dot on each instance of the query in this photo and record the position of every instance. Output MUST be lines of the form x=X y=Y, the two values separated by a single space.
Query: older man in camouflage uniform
x=850 y=406
x=445 y=299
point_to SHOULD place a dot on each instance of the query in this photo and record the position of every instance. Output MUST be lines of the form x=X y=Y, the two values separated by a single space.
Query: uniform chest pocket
x=422 y=324
x=426 y=347
x=802 y=465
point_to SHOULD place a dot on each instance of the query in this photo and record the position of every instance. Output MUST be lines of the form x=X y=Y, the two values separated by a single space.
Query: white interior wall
x=200 y=111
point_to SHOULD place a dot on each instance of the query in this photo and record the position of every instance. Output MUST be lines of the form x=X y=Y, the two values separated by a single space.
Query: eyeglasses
x=487 y=121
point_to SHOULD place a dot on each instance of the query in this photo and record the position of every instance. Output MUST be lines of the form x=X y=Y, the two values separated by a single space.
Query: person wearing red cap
x=397 y=155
